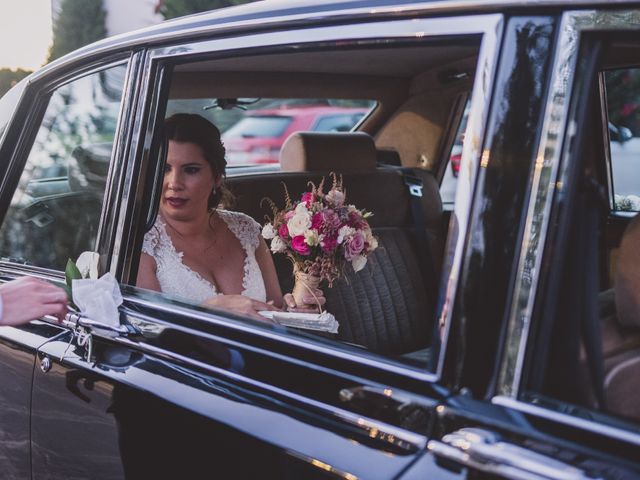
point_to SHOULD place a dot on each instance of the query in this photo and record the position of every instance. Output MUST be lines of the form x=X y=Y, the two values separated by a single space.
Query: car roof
x=269 y=13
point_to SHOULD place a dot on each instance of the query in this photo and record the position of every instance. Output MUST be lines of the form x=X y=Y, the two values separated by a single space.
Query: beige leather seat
x=621 y=332
x=387 y=307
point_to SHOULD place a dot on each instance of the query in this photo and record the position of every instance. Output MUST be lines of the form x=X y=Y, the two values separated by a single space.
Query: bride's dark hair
x=193 y=128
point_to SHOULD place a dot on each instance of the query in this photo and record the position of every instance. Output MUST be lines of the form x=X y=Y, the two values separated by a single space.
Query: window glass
x=623 y=109
x=379 y=276
x=450 y=178
x=55 y=210
x=254 y=129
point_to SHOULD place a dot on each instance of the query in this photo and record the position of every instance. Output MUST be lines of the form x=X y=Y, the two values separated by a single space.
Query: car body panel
x=180 y=391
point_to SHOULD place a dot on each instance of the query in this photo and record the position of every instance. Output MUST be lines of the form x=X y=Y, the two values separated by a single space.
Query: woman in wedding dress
x=197 y=251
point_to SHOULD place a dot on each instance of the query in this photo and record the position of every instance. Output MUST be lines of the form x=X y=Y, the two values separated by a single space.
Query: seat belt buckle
x=415 y=186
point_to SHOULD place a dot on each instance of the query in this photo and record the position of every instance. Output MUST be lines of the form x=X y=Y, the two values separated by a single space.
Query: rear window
x=254 y=129
x=259 y=127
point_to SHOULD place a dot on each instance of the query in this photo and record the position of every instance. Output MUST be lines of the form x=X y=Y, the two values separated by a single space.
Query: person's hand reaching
x=29 y=298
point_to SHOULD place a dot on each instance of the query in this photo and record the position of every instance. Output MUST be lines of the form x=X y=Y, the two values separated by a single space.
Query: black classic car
x=482 y=338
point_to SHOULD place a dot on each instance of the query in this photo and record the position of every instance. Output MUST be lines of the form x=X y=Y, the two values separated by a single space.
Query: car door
x=328 y=408
x=554 y=407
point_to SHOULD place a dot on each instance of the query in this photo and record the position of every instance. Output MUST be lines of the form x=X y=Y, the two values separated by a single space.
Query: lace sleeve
x=150 y=242
x=246 y=229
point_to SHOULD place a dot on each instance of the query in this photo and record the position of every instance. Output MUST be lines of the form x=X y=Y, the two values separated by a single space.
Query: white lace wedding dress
x=176 y=278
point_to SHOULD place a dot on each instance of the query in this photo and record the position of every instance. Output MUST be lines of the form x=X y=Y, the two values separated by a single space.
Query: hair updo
x=193 y=128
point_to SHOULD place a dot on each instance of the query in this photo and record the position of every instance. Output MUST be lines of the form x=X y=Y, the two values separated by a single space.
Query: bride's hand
x=316 y=302
x=240 y=304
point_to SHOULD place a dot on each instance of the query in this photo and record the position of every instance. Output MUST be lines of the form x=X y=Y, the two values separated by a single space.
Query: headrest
x=89 y=167
x=319 y=151
x=627 y=282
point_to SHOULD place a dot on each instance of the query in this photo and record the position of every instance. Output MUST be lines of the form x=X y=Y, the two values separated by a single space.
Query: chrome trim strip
x=372 y=428
x=471 y=161
x=553 y=146
x=393 y=29
x=542 y=190
x=599 y=428
x=606 y=139
x=352 y=356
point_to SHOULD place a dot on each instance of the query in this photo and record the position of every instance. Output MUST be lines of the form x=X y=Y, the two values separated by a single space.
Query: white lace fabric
x=177 y=279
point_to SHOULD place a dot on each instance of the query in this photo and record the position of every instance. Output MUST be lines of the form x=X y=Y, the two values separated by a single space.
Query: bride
x=197 y=251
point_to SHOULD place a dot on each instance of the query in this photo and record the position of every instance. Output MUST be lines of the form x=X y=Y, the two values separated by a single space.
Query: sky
x=25 y=33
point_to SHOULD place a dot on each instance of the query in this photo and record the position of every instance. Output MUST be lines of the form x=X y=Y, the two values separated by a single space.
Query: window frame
x=490 y=26
x=30 y=112
x=555 y=157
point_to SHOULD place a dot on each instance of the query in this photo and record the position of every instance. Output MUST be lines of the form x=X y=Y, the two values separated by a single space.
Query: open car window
x=375 y=116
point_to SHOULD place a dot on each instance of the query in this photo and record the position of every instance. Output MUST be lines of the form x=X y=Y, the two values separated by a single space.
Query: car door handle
x=389 y=405
x=76 y=319
x=484 y=450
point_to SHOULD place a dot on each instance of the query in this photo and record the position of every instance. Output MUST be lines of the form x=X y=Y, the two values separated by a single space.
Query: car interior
x=418 y=90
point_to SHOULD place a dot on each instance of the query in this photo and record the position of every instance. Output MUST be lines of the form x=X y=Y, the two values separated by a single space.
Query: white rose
x=299 y=223
x=358 y=263
x=345 y=232
x=87 y=264
x=301 y=208
x=278 y=245
x=311 y=238
x=268 y=232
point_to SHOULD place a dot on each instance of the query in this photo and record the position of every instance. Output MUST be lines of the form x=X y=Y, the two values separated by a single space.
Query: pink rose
x=283 y=231
x=307 y=198
x=354 y=246
x=316 y=221
x=329 y=243
x=330 y=221
x=289 y=215
x=299 y=245
x=356 y=220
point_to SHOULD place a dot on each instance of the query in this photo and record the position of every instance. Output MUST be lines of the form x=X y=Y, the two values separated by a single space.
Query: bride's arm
x=147 y=273
x=269 y=275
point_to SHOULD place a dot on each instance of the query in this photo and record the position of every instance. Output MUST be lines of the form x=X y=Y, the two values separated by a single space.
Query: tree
x=8 y=78
x=178 y=8
x=79 y=23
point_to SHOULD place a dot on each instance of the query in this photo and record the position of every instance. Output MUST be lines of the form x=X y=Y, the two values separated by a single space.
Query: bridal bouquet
x=321 y=234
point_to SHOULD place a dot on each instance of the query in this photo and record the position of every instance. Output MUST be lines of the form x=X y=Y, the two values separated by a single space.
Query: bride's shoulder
x=238 y=218
x=242 y=225
x=154 y=237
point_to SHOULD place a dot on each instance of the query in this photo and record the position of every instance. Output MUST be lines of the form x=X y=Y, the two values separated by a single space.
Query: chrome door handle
x=75 y=319
x=485 y=451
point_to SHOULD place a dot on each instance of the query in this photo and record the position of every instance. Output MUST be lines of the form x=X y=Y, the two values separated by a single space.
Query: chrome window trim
x=592 y=426
x=373 y=428
x=219 y=319
x=555 y=140
x=606 y=139
x=489 y=26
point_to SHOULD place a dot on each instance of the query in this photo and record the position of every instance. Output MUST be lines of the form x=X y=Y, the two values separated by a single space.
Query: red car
x=258 y=137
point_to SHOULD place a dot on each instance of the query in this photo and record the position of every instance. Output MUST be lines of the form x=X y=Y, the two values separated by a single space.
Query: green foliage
x=179 y=8
x=8 y=78
x=79 y=23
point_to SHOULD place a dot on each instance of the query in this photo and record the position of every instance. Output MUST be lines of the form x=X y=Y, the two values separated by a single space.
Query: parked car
x=479 y=342
x=258 y=136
